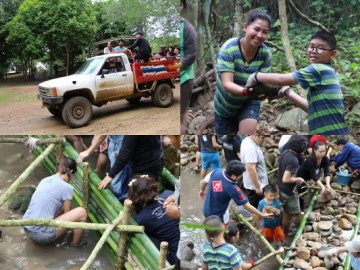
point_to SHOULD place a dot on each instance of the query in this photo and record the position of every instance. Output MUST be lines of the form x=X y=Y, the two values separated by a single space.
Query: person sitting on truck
x=120 y=47
x=144 y=49
x=109 y=48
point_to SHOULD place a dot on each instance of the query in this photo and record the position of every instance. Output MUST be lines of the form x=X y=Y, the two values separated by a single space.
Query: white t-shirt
x=251 y=153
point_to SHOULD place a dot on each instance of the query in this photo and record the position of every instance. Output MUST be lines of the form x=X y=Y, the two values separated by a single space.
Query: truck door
x=114 y=81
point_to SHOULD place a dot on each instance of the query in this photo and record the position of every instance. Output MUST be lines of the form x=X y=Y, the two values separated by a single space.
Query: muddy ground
x=21 y=113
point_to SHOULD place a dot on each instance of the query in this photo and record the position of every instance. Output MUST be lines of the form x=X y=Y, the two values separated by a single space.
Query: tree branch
x=306 y=18
x=272 y=44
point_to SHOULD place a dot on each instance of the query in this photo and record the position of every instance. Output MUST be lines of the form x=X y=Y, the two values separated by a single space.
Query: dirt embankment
x=21 y=113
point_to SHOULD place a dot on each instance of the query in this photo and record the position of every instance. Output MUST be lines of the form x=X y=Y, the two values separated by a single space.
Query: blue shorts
x=46 y=235
x=210 y=160
x=230 y=125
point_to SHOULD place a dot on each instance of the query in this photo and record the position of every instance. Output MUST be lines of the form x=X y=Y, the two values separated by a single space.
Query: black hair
x=215 y=223
x=65 y=165
x=235 y=167
x=341 y=141
x=140 y=33
x=183 y=3
x=326 y=36
x=270 y=188
x=231 y=231
x=297 y=144
x=121 y=40
x=142 y=191
x=253 y=15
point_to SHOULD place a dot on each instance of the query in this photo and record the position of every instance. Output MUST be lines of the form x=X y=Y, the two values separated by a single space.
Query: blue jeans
x=46 y=235
x=229 y=125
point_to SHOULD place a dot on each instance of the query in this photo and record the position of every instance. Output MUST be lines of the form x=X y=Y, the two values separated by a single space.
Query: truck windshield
x=90 y=66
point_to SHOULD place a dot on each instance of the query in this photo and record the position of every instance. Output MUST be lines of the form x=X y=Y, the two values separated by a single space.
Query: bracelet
x=287 y=91
x=255 y=76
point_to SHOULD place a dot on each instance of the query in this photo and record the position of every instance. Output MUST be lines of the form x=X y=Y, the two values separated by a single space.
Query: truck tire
x=163 y=95
x=134 y=100
x=77 y=112
x=54 y=111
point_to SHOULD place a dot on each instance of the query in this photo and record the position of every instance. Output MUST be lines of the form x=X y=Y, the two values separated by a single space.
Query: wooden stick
x=85 y=186
x=272 y=171
x=101 y=242
x=40 y=141
x=280 y=250
x=241 y=218
x=163 y=253
x=69 y=225
x=121 y=256
x=12 y=189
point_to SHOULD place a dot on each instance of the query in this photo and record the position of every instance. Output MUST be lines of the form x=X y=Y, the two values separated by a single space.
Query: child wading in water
x=324 y=103
x=271 y=228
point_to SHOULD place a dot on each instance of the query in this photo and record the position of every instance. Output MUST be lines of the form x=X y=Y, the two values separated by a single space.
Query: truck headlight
x=52 y=92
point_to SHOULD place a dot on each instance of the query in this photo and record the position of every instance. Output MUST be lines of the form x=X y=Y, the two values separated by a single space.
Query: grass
x=15 y=97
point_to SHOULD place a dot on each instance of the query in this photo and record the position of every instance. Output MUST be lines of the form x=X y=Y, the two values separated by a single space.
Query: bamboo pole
x=347 y=265
x=163 y=253
x=337 y=190
x=241 y=218
x=101 y=242
x=85 y=185
x=40 y=141
x=272 y=171
x=281 y=250
x=12 y=189
x=69 y=225
x=300 y=229
x=122 y=241
x=169 y=177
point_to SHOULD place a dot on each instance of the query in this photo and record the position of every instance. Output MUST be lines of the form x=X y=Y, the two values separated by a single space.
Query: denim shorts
x=210 y=160
x=46 y=235
x=229 y=125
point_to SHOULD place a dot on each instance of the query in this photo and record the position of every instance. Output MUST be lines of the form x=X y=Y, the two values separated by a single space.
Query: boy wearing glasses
x=324 y=102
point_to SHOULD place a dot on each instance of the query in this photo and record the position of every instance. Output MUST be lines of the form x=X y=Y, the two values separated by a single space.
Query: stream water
x=250 y=246
x=19 y=252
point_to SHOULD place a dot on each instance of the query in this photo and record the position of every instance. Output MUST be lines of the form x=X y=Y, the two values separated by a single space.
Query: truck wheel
x=55 y=111
x=77 y=112
x=134 y=100
x=163 y=95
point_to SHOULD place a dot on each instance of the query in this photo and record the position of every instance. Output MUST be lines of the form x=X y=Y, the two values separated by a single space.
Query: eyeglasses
x=318 y=50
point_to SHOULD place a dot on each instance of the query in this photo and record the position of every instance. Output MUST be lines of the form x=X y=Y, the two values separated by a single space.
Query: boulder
x=351 y=218
x=355 y=185
x=328 y=211
x=301 y=264
x=345 y=224
x=315 y=245
x=286 y=120
x=312 y=236
x=193 y=148
x=335 y=185
x=20 y=200
x=325 y=225
x=303 y=253
x=315 y=261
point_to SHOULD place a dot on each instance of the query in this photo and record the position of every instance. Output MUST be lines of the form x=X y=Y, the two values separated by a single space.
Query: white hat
x=353 y=245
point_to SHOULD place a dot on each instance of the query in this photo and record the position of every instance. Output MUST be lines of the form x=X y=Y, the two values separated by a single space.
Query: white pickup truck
x=107 y=78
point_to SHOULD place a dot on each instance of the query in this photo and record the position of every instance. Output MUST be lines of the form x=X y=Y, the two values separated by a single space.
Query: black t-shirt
x=231 y=147
x=289 y=161
x=309 y=170
x=159 y=227
x=206 y=144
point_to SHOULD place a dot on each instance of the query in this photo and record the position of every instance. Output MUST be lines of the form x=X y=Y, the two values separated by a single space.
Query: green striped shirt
x=224 y=257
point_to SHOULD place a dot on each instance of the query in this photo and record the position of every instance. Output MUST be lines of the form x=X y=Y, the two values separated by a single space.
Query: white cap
x=353 y=245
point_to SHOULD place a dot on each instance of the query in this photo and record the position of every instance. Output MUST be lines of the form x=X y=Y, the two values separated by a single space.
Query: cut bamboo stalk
x=337 y=190
x=281 y=250
x=169 y=176
x=40 y=141
x=300 y=229
x=12 y=189
x=69 y=225
x=163 y=253
x=122 y=241
x=85 y=185
x=272 y=171
x=241 y=218
x=100 y=243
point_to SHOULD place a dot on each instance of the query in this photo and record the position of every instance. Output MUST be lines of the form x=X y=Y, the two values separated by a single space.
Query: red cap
x=315 y=138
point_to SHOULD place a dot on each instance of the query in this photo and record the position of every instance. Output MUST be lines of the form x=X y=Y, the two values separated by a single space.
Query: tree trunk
x=238 y=18
x=67 y=59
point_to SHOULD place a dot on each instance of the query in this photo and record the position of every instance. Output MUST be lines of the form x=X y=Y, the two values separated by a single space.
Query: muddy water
x=19 y=252
x=250 y=246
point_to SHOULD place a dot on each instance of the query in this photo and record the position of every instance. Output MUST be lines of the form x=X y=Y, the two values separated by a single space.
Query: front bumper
x=50 y=100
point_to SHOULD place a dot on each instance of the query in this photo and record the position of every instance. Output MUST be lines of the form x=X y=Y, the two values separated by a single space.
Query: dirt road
x=21 y=113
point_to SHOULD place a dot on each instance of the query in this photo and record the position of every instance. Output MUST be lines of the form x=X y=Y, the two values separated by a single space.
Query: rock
x=320 y=268
x=314 y=245
x=314 y=216
x=354 y=114
x=355 y=185
x=343 y=201
x=193 y=148
x=328 y=211
x=193 y=158
x=313 y=236
x=346 y=188
x=184 y=147
x=326 y=218
x=286 y=120
x=315 y=261
x=14 y=158
x=334 y=203
x=336 y=229
x=308 y=228
x=328 y=262
x=325 y=225
x=186 y=251
x=352 y=210
x=193 y=126
x=300 y=242
x=325 y=233
x=20 y=200
x=185 y=265
x=351 y=218
x=184 y=161
x=335 y=185
x=303 y=253
x=299 y=263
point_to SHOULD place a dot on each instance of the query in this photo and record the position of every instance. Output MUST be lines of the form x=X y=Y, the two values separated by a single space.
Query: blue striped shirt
x=223 y=257
x=325 y=99
x=231 y=59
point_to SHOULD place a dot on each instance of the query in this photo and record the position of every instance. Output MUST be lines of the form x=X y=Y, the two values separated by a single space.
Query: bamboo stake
x=163 y=253
x=241 y=218
x=347 y=265
x=300 y=229
x=40 y=141
x=122 y=241
x=85 y=185
x=69 y=225
x=101 y=242
x=281 y=250
x=12 y=189
x=272 y=171
x=169 y=177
